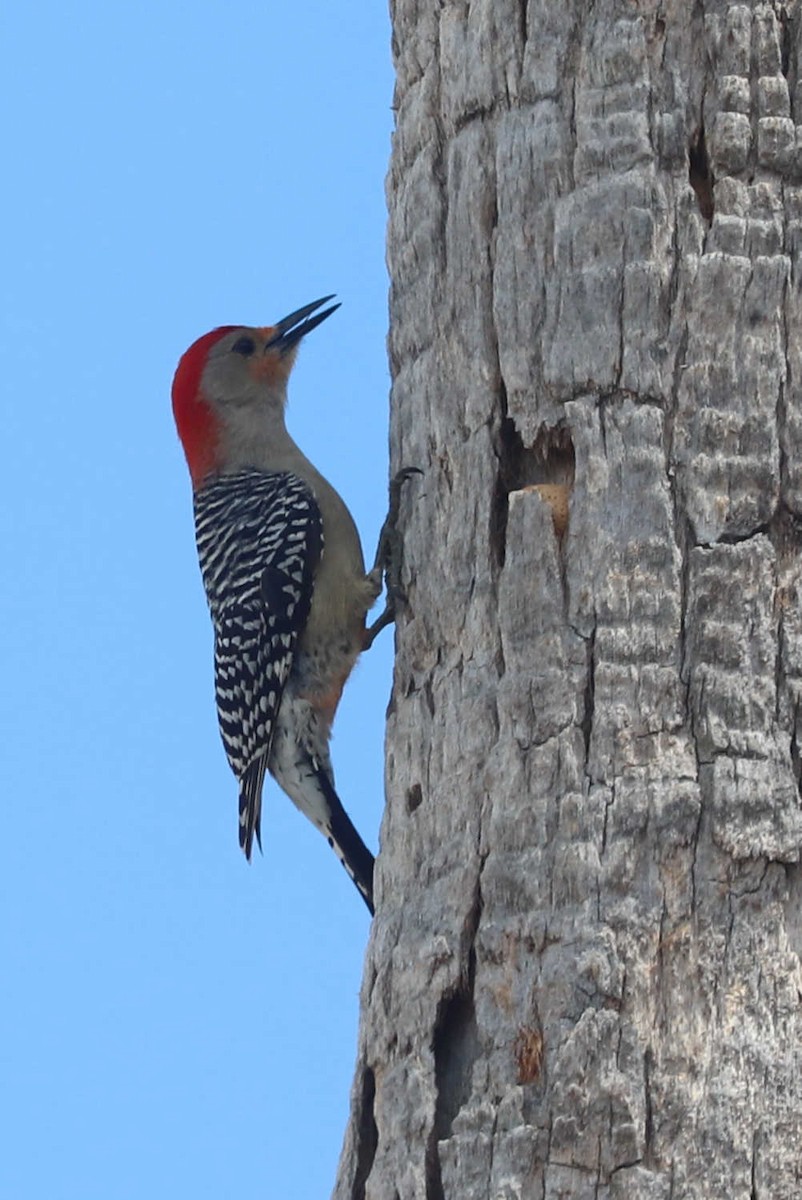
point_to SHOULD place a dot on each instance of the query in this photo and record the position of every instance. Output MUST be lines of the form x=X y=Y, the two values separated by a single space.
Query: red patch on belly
x=326 y=702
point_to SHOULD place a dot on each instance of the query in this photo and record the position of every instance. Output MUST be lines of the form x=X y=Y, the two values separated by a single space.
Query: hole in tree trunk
x=414 y=797
x=548 y=467
x=456 y=1048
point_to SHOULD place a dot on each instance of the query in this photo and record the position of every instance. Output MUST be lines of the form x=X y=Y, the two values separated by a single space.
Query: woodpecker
x=284 y=574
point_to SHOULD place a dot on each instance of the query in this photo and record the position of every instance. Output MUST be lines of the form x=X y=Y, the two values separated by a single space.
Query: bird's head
x=232 y=383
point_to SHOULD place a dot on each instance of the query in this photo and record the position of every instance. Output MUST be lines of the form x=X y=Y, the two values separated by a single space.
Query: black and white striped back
x=259 y=537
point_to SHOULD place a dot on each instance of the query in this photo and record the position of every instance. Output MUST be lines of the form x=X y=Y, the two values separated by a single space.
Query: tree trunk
x=583 y=979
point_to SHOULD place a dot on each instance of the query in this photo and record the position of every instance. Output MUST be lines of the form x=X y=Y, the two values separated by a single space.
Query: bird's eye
x=244 y=346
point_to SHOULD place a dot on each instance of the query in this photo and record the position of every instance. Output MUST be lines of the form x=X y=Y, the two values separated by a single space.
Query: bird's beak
x=290 y=330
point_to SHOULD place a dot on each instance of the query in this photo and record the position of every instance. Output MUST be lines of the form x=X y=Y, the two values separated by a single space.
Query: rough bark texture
x=583 y=979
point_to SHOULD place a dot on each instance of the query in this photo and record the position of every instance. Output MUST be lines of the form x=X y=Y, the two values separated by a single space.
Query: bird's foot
x=389 y=558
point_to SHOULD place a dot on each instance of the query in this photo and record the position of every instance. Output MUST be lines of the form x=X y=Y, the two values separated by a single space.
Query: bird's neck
x=264 y=445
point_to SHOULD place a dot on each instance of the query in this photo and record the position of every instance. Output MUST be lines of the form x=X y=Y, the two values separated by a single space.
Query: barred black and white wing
x=260 y=537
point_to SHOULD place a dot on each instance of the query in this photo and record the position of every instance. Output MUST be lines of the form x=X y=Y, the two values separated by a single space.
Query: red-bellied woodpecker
x=284 y=575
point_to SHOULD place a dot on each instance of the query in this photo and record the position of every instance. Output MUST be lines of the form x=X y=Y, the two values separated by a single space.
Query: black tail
x=347 y=844
x=250 y=805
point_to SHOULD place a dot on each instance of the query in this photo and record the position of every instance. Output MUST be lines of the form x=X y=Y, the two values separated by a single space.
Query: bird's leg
x=389 y=558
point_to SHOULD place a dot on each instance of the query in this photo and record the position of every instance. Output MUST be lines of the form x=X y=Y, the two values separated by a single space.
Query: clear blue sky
x=173 y=1023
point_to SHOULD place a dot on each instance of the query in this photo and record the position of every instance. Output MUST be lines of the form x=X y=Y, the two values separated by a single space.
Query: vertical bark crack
x=590 y=698
x=786 y=41
x=434 y=1179
x=456 y=1047
x=648 y=1124
x=700 y=176
x=367 y=1135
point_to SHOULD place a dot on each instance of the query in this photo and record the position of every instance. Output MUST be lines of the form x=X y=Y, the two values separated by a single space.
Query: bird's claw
x=389 y=557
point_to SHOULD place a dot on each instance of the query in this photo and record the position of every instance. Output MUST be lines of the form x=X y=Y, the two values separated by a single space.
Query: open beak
x=298 y=324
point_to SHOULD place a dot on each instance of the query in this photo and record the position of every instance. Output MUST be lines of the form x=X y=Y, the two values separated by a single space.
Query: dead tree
x=583 y=979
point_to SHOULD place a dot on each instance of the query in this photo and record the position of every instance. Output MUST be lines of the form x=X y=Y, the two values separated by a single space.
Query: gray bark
x=583 y=979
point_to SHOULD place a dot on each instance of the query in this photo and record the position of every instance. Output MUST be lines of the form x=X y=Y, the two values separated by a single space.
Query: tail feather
x=346 y=843
x=306 y=778
x=250 y=805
